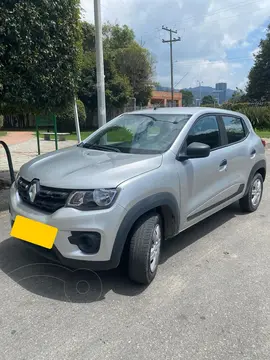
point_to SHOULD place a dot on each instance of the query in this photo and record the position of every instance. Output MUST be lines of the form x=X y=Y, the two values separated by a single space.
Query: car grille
x=47 y=199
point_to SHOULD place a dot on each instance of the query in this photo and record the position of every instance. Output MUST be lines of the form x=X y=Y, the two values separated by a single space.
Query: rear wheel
x=251 y=201
x=144 y=251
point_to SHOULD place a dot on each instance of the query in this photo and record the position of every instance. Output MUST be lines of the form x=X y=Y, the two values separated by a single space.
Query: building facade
x=221 y=90
x=164 y=99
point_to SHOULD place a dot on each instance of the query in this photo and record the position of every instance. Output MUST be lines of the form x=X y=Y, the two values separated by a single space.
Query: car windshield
x=138 y=133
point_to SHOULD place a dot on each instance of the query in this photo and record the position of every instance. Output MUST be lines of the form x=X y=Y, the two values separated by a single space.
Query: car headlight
x=93 y=199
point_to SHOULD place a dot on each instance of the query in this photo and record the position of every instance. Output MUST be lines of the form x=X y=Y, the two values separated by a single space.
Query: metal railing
x=10 y=165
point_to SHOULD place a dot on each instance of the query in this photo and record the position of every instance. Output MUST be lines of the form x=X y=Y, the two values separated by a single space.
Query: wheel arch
x=259 y=167
x=165 y=204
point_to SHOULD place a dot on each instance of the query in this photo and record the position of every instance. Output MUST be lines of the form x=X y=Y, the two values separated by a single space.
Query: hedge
x=258 y=114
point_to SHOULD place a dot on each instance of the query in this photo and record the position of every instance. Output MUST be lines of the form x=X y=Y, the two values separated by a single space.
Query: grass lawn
x=84 y=135
x=115 y=135
x=263 y=133
x=3 y=133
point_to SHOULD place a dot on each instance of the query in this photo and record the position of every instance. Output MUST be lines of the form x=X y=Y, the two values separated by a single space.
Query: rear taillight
x=263 y=142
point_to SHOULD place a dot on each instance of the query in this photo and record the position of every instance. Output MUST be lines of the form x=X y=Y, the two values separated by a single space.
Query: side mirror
x=195 y=150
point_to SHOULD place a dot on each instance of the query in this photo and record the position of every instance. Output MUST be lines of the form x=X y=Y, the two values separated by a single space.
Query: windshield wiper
x=101 y=147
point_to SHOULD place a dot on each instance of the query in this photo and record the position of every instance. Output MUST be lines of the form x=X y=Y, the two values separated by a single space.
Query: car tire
x=251 y=201
x=144 y=250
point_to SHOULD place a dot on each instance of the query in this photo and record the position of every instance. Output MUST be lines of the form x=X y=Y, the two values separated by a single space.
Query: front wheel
x=251 y=201
x=144 y=251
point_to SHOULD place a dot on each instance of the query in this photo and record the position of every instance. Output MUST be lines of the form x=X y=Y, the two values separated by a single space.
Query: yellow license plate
x=34 y=232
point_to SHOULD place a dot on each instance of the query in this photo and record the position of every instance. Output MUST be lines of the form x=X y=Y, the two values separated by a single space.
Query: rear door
x=239 y=152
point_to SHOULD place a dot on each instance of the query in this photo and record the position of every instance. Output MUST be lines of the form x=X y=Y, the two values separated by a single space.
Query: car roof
x=184 y=111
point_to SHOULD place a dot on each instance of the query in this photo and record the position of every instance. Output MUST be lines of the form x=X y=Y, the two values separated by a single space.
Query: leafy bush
x=66 y=120
x=210 y=105
x=258 y=115
x=1 y=121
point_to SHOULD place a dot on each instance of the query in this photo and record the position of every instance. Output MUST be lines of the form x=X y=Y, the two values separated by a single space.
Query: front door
x=206 y=182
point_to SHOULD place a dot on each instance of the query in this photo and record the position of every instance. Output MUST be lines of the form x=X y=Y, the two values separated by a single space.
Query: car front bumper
x=67 y=220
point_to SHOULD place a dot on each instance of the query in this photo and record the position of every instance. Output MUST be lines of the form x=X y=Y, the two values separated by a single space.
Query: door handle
x=253 y=153
x=223 y=165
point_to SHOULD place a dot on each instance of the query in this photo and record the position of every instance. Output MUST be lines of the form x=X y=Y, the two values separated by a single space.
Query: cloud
x=237 y=66
x=245 y=44
x=243 y=83
x=208 y=29
x=255 y=51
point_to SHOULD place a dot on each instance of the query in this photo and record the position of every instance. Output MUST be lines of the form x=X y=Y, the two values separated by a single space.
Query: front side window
x=234 y=129
x=205 y=131
x=138 y=133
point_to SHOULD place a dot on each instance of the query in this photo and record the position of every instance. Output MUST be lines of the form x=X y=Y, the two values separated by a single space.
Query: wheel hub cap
x=155 y=248
x=256 y=192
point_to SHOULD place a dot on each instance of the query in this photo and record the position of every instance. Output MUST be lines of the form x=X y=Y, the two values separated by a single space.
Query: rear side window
x=234 y=129
x=206 y=131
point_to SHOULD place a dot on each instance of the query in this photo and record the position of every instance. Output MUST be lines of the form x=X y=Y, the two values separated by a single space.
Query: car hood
x=80 y=168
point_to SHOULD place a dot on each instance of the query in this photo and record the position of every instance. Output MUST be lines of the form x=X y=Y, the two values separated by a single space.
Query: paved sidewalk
x=17 y=137
x=27 y=150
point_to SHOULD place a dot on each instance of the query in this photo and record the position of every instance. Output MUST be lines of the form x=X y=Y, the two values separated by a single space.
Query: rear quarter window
x=234 y=128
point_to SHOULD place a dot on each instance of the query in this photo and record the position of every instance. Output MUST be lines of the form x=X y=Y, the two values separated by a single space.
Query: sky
x=218 y=38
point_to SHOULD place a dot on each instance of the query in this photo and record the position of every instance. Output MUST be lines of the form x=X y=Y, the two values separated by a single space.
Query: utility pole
x=100 y=66
x=171 y=53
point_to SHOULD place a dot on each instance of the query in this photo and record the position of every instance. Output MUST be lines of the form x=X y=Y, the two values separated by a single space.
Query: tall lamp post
x=200 y=85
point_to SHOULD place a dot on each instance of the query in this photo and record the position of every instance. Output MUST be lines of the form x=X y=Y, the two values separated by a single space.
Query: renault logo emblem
x=33 y=190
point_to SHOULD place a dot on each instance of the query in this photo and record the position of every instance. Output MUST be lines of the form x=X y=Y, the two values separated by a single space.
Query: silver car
x=139 y=180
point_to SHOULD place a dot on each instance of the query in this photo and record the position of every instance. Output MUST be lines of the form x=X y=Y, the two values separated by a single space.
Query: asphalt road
x=210 y=299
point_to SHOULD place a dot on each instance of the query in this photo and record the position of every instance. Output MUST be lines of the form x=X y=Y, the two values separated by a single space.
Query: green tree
x=88 y=36
x=187 y=98
x=39 y=54
x=238 y=96
x=258 y=87
x=114 y=36
x=208 y=100
x=65 y=120
x=118 y=89
x=117 y=37
x=128 y=67
x=136 y=63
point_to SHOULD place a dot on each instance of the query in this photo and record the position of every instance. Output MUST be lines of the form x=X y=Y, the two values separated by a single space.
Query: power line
x=221 y=10
x=246 y=11
x=171 y=53
x=181 y=79
x=211 y=62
